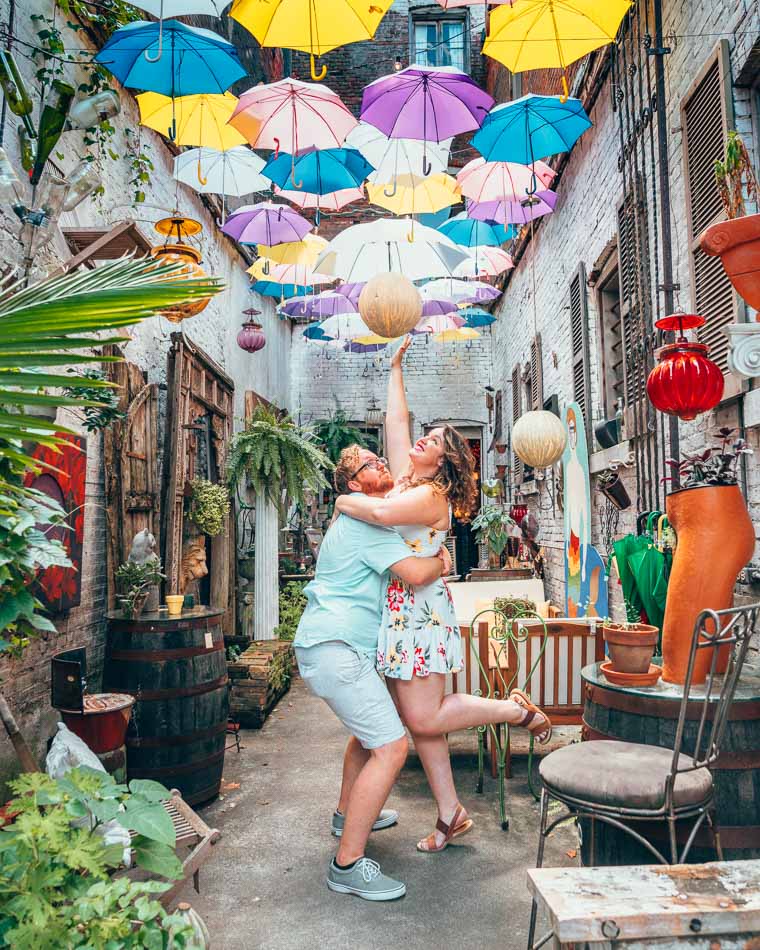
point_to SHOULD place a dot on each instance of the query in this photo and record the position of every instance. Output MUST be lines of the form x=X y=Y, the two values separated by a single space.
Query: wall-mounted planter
x=616 y=492
x=737 y=244
x=607 y=433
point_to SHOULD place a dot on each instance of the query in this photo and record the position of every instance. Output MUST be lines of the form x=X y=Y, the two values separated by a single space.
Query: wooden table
x=700 y=906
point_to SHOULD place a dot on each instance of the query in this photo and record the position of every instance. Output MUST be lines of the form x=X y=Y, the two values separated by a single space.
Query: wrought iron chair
x=619 y=782
x=499 y=660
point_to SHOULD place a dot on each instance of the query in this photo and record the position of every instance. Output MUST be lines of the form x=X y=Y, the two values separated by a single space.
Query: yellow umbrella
x=313 y=26
x=412 y=194
x=456 y=336
x=545 y=34
x=372 y=339
x=200 y=119
x=295 y=252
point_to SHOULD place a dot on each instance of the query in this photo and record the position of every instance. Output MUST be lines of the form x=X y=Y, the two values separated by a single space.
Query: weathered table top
x=647 y=902
x=155 y=617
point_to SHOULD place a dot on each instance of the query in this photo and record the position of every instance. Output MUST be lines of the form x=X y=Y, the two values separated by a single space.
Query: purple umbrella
x=438 y=308
x=514 y=212
x=424 y=102
x=351 y=290
x=353 y=347
x=319 y=306
x=266 y=223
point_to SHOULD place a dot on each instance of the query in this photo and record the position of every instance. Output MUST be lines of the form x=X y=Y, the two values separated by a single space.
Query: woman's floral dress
x=419 y=633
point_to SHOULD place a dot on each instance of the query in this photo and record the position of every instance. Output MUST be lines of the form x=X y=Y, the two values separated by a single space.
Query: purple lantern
x=251 y=336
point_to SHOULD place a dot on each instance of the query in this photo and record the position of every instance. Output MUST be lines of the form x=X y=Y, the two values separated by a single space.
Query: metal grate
x=517 y=465
x=580 y=344
x=536 y=374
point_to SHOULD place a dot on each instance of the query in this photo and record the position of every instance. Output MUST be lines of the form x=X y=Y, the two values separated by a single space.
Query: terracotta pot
x=631 y=647
x=716 y=539
x=103 y=722
x=737 y=244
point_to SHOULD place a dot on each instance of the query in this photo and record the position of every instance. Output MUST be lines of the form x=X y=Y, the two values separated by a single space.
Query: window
x=611 y=349
x=580 y=346
x=440 y=40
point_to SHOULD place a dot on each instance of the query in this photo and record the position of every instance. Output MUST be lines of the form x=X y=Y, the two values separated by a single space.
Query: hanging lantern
x=182 y=253
x=251 y=337
x=86 y=113
x=390 y=305
x=685 y=383
x=539 y=438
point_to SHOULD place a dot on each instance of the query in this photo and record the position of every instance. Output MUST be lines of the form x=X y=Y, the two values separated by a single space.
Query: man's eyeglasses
x=371 y=463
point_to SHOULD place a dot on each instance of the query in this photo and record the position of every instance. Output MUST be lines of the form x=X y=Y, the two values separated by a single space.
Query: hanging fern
x=273 y=454
x=337 y=433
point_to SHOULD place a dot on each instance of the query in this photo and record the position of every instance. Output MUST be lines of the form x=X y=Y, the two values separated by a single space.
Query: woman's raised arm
x=420 y=505
x=398 y=441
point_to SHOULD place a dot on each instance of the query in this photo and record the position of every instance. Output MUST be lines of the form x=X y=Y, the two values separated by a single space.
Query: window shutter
x=580 y=345
x=536 y=374
x=498 y=424
x=705 y=118
x=517 y=465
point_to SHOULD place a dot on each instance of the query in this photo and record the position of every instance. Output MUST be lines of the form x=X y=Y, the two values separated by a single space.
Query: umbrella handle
x=201 y=179
x=277 y=150
x=390 y=194
x=152 y=59
x=317 y=218
x=565 y=90
x=427 y=166
x=533 y=185
x=410 y=235
x=296 y=184
x=265 y=267
x=317 y=77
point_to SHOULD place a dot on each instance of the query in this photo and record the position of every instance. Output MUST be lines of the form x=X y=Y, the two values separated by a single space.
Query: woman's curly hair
x=457 y=479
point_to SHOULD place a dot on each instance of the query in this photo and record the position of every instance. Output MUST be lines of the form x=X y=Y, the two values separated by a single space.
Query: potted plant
x=737 y=240
x=631 y=645
x=135 y=581
x=493 y=527
x=209 y=506
x=336 y=433
x=715 y=540
x=611 y=486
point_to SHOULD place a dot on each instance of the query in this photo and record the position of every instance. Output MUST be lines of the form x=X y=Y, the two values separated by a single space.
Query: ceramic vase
x=737 y=244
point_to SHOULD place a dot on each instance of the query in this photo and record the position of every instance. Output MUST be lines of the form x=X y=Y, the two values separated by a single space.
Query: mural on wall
x=585 y=579
x=60 y=588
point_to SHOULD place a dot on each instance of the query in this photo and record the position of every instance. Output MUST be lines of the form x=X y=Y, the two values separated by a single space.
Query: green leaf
x=149 y=819
x=157 y=858
x=149 y=790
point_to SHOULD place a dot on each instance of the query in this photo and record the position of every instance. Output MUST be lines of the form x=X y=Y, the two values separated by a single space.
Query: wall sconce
x=398 y=65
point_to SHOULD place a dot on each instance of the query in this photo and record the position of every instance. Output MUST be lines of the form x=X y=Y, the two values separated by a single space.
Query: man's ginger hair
x=349 y=461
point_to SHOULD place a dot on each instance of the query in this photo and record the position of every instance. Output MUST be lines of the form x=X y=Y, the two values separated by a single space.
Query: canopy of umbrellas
x=397 y=154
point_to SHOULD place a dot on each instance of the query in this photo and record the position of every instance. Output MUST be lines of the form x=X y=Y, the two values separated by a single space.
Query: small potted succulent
x=493 y=527
x=135 y=581
x=611 y=486
x=209 y=506
x=737 y=240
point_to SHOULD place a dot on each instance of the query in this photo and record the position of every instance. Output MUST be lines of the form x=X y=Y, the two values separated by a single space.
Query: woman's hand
x=398 y=356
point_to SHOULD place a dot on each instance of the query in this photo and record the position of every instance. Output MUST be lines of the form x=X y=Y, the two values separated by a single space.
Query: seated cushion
x=622 y=774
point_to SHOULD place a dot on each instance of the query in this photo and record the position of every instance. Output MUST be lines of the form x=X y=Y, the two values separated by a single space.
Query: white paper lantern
x=539 y=438
x=390 y=305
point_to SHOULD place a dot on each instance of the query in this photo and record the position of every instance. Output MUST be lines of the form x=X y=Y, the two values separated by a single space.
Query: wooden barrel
x=175 y=667
x=650 y=716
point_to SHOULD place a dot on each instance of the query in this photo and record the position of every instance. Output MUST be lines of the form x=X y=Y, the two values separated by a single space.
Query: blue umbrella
x=470 y=232
x=315 y=332
x=319 y=172
x=477 y=317
x=530 y=128
x=193 y=60
x=270 y=288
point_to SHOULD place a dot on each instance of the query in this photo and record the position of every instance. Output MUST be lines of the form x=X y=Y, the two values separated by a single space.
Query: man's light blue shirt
x=346 y=597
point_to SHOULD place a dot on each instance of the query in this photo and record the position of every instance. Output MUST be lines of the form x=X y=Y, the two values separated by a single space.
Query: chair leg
x=592 y=846
x=712 y=821
x=673 y=840
x=502 y=792
x=495 y=750
x=539 y=863
x=481 y=761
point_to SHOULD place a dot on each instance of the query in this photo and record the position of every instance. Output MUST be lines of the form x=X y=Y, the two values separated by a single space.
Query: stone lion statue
x=193 y=562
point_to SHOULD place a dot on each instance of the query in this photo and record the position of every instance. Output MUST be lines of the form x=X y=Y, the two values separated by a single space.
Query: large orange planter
x=716 y=539
x=737 y=244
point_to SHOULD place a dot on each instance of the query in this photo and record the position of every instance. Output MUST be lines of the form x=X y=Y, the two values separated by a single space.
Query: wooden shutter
x=536 y=374
x=580 y=345
x=634 y=375
x=706 y=114
x=517 y=465
x=130 y=456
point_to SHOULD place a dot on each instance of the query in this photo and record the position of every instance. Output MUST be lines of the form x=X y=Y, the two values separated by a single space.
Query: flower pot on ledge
x=737 y=244
x=631 y=646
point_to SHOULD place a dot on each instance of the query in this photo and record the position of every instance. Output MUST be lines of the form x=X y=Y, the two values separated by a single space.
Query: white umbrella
x=459 y=291
x=390 y=244
x=394 y=157
x=345 y=326
x=234 y=172
x=168 y=9
x=485 y=262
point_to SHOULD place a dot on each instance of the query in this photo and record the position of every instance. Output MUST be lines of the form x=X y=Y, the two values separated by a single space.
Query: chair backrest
x=718 y=631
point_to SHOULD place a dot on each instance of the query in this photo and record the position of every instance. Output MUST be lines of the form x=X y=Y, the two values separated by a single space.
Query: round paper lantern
x=390 y=305
x=184 y=254
x=251 y=337
x=539 y=438
x=685 y=383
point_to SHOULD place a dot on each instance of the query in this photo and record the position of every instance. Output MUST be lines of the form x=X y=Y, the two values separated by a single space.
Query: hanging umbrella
x=345 y=326
x=546 y=34
x=193 y=60
x=235 y=172
x=312 y=26
x=318 y=306
x=305 y=251
x=545 y=173
x=424 y=102
x=352 y=291
x=531 y=128
x=477 y=317
x=163 y=9
x=413 y=194
x=460 y=291
x=449 y=4
x=333 y=201
x=517 y=211
x=393 y=157
x=495 y=181
x=438 y=324
x=298 y=275
x=469 y=232
x=290 y=116
x=266 y=223
x=460 y=335
x=270 y=288
x=438 y=307
x=192 y=120
x=319 y=172
x=484 y=262
x=365 y=346
x=315 y=332
x=388 y=244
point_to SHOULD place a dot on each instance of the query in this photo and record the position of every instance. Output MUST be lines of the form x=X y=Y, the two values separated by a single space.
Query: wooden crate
x=259 y=677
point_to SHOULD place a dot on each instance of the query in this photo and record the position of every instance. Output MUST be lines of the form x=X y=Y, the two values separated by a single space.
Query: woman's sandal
x=540 y=728
x=454 y=829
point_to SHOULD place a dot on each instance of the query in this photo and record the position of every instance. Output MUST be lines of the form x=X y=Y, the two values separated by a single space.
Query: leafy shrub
x=292 y=605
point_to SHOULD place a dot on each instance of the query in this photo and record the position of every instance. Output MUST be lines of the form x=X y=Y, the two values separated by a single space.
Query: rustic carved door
x=199 y=429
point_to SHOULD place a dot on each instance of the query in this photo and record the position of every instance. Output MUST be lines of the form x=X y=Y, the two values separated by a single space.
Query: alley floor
x=264 y=887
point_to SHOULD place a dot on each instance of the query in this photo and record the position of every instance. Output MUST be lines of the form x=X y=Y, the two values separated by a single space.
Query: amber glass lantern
x=180 y=252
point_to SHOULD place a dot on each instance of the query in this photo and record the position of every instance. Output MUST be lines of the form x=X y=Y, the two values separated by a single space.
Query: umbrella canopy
x=314 y=332
x=319 y=172
x=299 y=275
x=531 y=127
x=485 y=262
x=333 y=201
x=192 y=120
x=163 y=9
x=459 y=335
x=545 y=173
x=235 y=172
x=182 y=61
x=517 y=211
x=470 y=232
x=412 y=194
x=449 y=4
x=270 y=288
x=345 y=326
x=438 y=324
x=318 y=306
x=495 y=181
x=369 y=344
x=393 y=157
x=351 y=290
x=477 y=317
x=304 y=252
x=438 y=307
x=424 y=102
x=291 y=116
x=363 y=250
x=460 y=291
x=266 y=223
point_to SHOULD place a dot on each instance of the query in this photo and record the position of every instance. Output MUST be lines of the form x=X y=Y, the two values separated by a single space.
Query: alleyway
x=264 y=887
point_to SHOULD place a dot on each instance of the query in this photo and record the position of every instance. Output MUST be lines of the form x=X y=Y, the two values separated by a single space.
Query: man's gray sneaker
x=385 y=819
x=366 y=880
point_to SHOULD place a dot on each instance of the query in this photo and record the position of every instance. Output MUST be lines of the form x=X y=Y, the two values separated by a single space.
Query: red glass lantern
x=251 y=336
x=685 y=383
x=518 y=512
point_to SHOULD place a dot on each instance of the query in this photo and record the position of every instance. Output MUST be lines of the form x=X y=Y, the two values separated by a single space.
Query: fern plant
x=275 y=454
x=337 y=433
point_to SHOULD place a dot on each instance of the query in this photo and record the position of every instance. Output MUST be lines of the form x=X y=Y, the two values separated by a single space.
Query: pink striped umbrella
x=495 y=181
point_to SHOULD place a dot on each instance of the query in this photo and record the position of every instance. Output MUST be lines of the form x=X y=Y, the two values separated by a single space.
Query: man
x=336 y=644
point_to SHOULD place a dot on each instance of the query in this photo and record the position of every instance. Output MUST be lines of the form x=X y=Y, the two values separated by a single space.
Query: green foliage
x=492 y=525
x=209 y=506
x=292 y=605
x=105 y=402
x=336 y=433
x=274 y=454
x=733 y=175
x=55 y=885
x=514 y=606
x=140 y=166
x=135 y=580
x=232 y=653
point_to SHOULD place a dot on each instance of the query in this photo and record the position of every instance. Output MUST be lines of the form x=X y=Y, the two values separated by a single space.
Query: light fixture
x=83 y=182
x=86 y=113
x=398 y=65
x=374 y=415
x=179 y=252
x=539 y=438
x=251 y=336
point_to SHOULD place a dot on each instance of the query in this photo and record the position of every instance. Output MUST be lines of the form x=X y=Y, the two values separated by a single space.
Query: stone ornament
x=744 y=352
x=193 y=563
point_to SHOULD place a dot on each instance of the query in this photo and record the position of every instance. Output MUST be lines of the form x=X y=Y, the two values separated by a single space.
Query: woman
x=419 y=641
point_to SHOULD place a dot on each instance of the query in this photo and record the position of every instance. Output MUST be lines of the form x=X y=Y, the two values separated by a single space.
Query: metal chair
x=617 y=782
